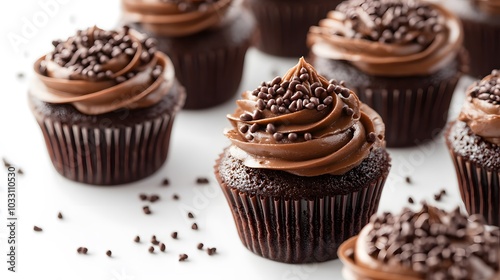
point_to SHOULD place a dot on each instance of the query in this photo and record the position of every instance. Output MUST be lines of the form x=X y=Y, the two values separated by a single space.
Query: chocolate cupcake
x=428 y=244
x=481 y=21
x=403 y=59
x=207 y=41
x=473 y=142
x=306 y=166
x=105 y=102
x=282 y=25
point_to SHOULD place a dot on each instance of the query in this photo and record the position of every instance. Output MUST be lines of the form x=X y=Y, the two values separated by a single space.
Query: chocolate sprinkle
x=108 y=253
x=143 y=197
x=146 y=210
x=183 y=257
x=211 y=251
x=410 y=200
x=202 y=181
x=165 y=182
x=194 y=226
x=175 y=197
x=59 y=215
x=151 y=249
x=200 y=246
x=153 y=198
x=137 y=239
x=162 y=247
x=190 y=215
x=35 y=228
x=408 y=179
x=174 y=235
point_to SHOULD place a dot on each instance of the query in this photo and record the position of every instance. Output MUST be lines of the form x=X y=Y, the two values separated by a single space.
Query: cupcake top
x=176 y=17
x=100 y=71
x=489 y=6
x=389 y=37
x=481 y=110
x=428 y=244
x=303 y=124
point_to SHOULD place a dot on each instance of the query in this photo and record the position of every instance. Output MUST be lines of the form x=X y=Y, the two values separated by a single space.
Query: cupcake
x=105 y=102
x=473 y=142
x=481 y=21
x=402 y=57
x=428 y=244
x=207 y=41
x=306 y=166
x=282 y=25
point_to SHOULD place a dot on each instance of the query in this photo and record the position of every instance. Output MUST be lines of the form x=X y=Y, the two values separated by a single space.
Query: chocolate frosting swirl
x=481 y=110
x=130 y=72
x=303 y=124
x=428 y=244
x=176 y=18
x=389 y=37
x=489 y=6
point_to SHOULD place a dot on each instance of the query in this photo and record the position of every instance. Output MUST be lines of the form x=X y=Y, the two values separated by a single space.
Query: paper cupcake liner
x=283 y=25
x=481 y=41
x=107 y=156
x=212 y=76
x=300 y=230
x=411 y=116
x=479 y=188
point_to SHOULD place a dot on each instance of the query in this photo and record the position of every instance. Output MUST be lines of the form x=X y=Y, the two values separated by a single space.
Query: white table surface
x=110 y=217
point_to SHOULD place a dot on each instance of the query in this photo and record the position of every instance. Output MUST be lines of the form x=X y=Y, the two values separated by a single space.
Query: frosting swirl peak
x=100 y=71
x=176 y=17
x=481 y=110
x=303 y=124
x=389 y=37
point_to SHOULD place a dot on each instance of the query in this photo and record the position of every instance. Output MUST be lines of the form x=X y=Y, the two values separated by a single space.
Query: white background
x=109 y=218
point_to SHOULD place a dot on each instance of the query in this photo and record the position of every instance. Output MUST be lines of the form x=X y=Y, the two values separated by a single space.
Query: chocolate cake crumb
x=151 y=249
x=165 y=182
x=146 y=210
x=211 y=251
x=200 y=246
x=143 y=197
x=410 y=200
x=59 y=216
x=202 y=181
x=194 y=226
x=35 y=228
x=162 y=247
x=190 y=215
x=108 y=253
x=174 y=235
x=137 y=239
x=183 y=257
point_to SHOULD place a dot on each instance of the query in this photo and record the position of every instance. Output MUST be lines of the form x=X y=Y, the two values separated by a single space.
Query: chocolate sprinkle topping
x=488 y=89
x=35 y=228
x=59 y=215
x=87 y=53
x=108 y=253
x=165 y=182
x=392 y=21
x=433 y=242
x=278 y=97
x=211 y=251
x=163 y=247
x=174 y=235
x=137 y=239
x=202 y=180
x=200 y=246
x=151 y=249
x=146 y=210
x=194 y=226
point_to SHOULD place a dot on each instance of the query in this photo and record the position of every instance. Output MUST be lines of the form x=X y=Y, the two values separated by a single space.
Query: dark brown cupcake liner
x=300 y=230
x=283 y=25
x=107 y=156
x=479 y=188
x=212 y=76
x=411 y=115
